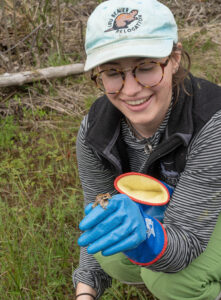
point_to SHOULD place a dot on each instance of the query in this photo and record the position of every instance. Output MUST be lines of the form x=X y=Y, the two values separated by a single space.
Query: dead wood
x=18 y=79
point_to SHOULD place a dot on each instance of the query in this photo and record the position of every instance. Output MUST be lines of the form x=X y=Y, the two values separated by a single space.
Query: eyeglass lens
x=147 y=74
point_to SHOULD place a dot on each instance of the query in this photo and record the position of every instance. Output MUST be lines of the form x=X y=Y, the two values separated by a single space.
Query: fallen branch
x=13 y=79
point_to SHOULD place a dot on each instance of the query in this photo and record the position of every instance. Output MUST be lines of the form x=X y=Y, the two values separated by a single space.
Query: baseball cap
x=129 y=28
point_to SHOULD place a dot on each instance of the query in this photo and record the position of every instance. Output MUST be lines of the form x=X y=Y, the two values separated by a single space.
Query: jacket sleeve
x=95 y=179
x=90 y=273
x=196 y=202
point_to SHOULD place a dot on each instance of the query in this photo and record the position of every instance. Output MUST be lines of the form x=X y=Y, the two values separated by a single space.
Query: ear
x=176 y=57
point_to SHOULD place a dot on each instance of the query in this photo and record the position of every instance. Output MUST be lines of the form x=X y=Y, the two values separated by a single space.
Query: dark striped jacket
x=194 y=108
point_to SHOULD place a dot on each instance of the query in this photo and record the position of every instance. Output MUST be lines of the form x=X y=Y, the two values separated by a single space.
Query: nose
x=131 y=86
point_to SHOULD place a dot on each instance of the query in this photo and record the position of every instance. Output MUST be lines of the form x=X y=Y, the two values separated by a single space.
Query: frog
x=102 y=199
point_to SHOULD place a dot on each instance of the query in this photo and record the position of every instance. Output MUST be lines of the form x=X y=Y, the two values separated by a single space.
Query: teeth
x=137 y=102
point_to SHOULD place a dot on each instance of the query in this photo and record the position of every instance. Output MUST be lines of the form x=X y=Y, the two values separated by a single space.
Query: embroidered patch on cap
x=124 y=20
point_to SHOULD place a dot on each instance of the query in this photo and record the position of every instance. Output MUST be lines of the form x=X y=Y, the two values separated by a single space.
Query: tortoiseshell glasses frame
x=117 y=76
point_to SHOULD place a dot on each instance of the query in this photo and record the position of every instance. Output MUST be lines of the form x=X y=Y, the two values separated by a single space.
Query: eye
x=111 y=73
x=146 y=67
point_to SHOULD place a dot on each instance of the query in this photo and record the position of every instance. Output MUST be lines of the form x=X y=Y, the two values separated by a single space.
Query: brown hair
x=182 y=72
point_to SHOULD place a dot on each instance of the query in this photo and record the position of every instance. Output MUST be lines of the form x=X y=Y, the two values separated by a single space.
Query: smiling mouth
x=137 y=102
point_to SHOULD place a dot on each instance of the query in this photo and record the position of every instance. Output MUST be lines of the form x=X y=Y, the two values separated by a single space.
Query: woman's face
x=144 y=107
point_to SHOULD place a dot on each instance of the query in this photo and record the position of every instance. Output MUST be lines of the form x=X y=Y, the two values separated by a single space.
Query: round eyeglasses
x=148 y=74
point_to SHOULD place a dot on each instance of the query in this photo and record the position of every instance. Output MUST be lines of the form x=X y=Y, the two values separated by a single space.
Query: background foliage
x=40 y=192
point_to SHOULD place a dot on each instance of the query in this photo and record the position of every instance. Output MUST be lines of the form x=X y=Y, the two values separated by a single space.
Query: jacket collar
x=104 y=125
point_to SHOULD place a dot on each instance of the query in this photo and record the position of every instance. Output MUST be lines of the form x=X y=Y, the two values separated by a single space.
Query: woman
x=157 y=119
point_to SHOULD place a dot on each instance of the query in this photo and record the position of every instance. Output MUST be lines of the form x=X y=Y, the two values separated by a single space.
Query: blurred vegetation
x=40 y=193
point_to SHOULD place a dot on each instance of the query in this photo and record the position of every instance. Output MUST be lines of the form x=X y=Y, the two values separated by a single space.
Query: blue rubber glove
x=154 y=246
x=156 y=212
x=117 y=228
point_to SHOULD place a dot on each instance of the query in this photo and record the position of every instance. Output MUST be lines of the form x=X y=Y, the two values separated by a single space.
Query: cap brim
x=127 y=48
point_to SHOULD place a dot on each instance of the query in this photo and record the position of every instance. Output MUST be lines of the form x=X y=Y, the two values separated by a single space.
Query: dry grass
x=46 y=33
x=66 y=97
x=41 y=33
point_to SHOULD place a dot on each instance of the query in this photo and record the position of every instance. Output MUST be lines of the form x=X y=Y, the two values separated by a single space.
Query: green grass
x=41 y=205
x=205 y=56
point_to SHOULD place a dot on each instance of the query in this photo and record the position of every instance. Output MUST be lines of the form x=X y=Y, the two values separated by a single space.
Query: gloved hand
x=117 y=228
x=123 y=227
